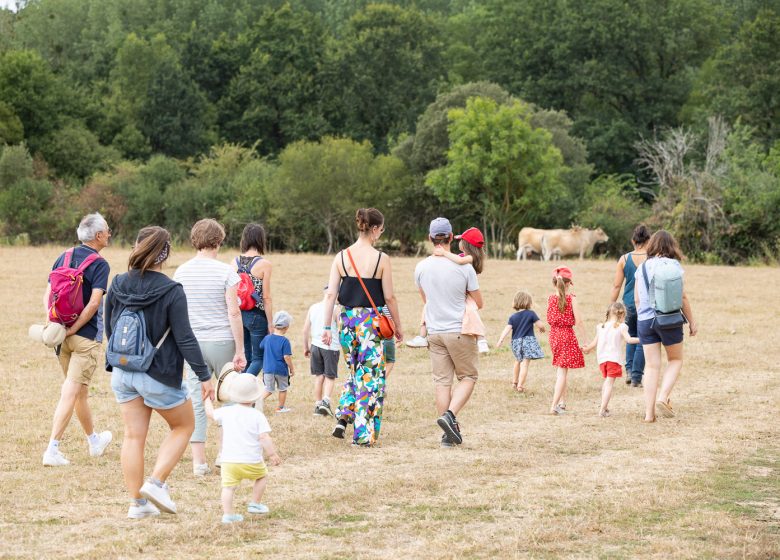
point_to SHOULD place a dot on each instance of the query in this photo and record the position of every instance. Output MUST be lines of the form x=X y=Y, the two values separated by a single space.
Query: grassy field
x=523 y=485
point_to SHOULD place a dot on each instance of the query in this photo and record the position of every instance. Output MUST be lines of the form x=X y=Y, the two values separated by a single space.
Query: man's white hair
x=90 y=225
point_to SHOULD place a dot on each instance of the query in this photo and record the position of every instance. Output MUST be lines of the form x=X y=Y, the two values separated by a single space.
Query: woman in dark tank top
x=362 y=398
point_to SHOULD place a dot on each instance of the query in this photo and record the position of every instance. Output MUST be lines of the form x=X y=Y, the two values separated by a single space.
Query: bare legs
x=73 y=396
x=559 y=394
x=229 y=493
x=674 y=355
x=136 y=415
x=606 y=393
x=520 y=374
x=455 y=399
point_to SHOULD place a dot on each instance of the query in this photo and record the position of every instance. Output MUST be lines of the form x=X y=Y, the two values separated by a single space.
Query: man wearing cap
x=78 y=353
x=443 y=286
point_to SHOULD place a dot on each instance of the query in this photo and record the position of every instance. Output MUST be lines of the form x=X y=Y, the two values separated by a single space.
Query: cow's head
x=600 y=236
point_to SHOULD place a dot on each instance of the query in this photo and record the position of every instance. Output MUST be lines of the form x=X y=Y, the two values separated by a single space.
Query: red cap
x=473 y=236
x=563 y=272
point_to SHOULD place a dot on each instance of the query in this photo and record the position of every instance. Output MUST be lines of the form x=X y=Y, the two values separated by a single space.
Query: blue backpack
x=665 y=293
x=129 y=347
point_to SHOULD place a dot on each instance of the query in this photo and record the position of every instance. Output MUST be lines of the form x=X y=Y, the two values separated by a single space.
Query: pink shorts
x=611 y=369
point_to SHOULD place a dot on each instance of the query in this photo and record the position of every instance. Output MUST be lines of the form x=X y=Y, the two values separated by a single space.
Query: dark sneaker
x=323 y=408
x=445 y=441
x=338 y=431
x=628 y=380
x=317 y=410
x=637 y=384
x=447 y=423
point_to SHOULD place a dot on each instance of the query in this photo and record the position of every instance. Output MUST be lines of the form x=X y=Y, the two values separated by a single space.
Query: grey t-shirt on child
x=445 y=285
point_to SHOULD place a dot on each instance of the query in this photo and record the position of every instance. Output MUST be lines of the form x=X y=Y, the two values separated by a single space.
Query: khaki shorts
x=453 y=355
x=78 y=358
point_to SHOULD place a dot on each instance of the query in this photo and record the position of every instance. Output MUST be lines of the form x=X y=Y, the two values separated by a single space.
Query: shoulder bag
x=386 y=326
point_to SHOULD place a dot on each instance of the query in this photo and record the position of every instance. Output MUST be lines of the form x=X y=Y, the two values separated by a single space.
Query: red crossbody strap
x=352 y=262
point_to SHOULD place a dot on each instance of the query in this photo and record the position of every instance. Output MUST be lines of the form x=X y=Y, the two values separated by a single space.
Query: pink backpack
x=66 y=300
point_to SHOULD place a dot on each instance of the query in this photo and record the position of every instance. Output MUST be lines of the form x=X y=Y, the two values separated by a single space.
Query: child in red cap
x=562 y=315
x=472 y=245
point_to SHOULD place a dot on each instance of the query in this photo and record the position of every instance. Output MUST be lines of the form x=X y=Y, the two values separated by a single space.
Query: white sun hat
x=51 y=334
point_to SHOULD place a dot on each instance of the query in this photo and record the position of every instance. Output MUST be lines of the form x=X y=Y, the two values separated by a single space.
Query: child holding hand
x=525 y=347
x=472 y=245
x=245 y=434
x=610 y=343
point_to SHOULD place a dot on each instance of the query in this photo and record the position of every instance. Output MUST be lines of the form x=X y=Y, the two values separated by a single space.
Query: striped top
x=205 y=281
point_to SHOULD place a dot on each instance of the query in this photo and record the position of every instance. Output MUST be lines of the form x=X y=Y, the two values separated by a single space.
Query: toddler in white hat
x=245 y=434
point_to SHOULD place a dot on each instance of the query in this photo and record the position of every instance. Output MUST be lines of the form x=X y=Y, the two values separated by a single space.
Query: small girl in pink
x=610 y=344
x=562 y=315
x=472 y=243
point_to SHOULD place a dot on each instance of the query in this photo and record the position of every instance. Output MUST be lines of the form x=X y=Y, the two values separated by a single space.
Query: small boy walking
x=324 y=359
x=245 y=434
x=278 y=366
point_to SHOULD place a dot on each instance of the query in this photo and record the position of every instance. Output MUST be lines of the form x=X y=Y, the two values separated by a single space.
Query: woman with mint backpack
x=662 y=309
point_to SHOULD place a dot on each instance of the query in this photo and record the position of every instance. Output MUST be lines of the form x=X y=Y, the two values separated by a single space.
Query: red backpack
x=247 y=297
x=66 y=299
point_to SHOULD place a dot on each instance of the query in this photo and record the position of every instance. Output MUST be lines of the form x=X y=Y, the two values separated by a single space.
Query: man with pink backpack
x=74 y=296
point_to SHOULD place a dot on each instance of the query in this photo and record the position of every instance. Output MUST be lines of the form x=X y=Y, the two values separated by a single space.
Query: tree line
x=499 y=113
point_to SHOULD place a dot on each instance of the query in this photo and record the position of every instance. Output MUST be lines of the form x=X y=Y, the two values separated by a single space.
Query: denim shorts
x=129 y=385
x=650 y=333
x=273 y=381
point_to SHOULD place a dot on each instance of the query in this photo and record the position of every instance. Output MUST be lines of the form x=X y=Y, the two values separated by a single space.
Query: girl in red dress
x=562 y=315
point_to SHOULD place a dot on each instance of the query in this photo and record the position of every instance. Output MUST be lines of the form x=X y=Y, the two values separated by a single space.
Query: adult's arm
x=307 y=335
x=334 y=281
x=89 y=311
x=688 y=312
x=390 y=299
x=108 y=311
x=179 y=321
x=46 y=296
x=263 y=269
x=617 y=283
x=236 y=326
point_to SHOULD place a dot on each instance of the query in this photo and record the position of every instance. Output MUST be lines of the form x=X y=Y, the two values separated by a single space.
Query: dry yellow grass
x=523 y=485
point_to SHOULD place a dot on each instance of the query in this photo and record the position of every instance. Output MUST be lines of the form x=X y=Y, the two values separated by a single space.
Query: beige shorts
x=78 y=358
x=453 y=355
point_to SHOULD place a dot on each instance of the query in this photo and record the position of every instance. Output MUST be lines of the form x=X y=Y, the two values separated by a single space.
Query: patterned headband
x=164 y=253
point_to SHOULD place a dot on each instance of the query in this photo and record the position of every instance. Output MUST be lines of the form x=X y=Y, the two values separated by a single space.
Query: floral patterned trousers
x=363 y=395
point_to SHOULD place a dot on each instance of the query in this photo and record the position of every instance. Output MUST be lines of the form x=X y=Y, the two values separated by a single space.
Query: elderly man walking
x=78 y=353
x=443 y=286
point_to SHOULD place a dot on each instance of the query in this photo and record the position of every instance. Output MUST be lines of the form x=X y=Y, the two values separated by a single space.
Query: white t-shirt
x=317 y=320
x=611 y=346
x=445 y=284
x=241 y=429
x=205 y=281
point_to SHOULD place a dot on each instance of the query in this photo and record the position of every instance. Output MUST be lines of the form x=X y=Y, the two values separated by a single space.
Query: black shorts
x=649 y=333
x=324 y=362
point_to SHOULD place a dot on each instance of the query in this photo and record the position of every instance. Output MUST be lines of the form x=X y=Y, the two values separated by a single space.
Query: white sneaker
x=417 y=342
x=104 y=438
x=482 y=346
x=201 y=470
x=54 y=459
x=158 y=496
x=139 y=512
x=218 y=461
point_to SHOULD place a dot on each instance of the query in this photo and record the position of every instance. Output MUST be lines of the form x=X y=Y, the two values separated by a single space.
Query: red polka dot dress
x=563 y=342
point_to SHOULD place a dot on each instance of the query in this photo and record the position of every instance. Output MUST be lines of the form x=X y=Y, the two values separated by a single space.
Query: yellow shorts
x=234 y=473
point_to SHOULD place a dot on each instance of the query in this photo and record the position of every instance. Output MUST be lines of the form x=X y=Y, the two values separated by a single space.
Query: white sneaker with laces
x=54 y=459
x=139 y=512
x=104 y=438
x=482 y=346
x=158 y=496
x=417 y=342
x=201 y=470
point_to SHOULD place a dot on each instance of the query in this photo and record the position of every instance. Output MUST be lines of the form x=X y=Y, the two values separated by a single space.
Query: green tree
x=74 y=152
x=499 y=163
x=741 y=81
x=11 y=128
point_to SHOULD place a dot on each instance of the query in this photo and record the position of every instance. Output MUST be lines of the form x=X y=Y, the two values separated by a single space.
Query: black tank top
x=351 y=293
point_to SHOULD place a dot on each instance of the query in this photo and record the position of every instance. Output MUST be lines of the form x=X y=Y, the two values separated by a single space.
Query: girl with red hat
x=472 y=245
x=562 y=315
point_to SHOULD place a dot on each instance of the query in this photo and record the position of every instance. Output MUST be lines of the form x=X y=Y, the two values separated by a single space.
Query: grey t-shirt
x=445 y=285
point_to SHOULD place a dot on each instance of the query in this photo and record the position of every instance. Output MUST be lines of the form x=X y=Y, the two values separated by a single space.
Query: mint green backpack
x=665 y=293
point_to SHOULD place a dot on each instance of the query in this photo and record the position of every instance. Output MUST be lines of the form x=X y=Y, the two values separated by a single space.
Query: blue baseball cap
x=440 y=227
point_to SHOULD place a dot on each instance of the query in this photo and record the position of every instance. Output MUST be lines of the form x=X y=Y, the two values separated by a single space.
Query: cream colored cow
x=557 y=243
x=529 y=239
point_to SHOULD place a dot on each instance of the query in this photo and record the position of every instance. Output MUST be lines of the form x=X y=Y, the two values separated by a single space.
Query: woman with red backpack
x=254 y=294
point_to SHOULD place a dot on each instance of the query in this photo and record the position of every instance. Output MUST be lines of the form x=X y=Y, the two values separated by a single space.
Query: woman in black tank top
x=362 y=398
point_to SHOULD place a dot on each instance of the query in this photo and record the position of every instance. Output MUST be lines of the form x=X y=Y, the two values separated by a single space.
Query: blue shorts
x=273 y=381
x=650 y=333
x=128 y=385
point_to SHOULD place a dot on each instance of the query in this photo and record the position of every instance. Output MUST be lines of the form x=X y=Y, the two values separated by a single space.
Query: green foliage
x=11 y=127
x=15 y=165
x=73 y=152
x=500 y=164
x=612 y=203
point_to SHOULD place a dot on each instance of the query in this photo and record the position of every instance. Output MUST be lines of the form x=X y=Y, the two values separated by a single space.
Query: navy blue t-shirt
x=275 y=348
x=523 y=323
x=95 y=277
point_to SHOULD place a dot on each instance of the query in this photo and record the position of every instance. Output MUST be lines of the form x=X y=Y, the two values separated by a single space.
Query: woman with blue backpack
x=149 y=338
x=662 y=309
x=254 y=294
